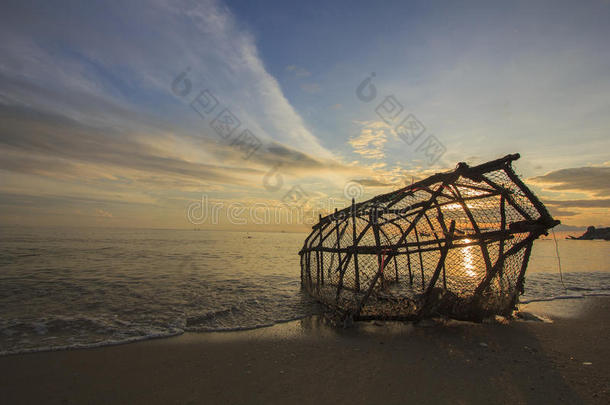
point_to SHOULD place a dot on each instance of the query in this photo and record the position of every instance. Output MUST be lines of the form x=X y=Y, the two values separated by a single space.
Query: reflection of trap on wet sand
x=454 y=244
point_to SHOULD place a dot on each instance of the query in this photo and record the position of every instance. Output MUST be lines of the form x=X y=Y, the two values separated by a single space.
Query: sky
x=263 y=115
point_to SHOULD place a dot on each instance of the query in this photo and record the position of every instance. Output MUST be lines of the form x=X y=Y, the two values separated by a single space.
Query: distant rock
x=593 y=233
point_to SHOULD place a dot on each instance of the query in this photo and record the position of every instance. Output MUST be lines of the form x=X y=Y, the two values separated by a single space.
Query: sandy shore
x=308 y=362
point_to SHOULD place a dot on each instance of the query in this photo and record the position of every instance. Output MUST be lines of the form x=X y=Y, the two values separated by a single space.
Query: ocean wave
x=103 y=343
x=93 y=288
x=25 y=333
x=245 y=327
x=550 y=287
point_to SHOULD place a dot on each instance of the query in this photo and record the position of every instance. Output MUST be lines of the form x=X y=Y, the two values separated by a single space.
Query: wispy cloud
x=103 y=214
x=597 y=203
x=569 y=186
x=47 y=144
x=369 y=143
x=371 y=183
x=594 y=180
x=88 y=112
x=298 y=71
x=128 y=67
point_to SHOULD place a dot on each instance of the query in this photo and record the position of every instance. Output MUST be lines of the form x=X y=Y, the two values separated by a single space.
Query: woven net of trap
x=455 y=244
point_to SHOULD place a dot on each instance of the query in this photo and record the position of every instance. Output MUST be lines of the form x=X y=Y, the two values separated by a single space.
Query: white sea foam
x=110 y=342
x=566 y=297
x=575 y=285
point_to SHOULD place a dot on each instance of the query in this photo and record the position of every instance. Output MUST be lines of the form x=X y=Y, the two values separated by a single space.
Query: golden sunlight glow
x=468 y=260
x=454 y=206
x=469 y=192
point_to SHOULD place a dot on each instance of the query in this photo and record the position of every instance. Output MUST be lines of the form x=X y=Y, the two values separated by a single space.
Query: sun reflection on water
x=468 y=259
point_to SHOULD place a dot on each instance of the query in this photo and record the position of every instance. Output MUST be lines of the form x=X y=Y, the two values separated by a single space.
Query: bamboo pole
x=421 y=261
x=354 y=242
x=373 y=221
x=502 y=228
x=409 y=266
x=389 y=244
x=321 y=255
x=447 y=177
x=521 y=277
x=485 y=237
x=518 y=246
x=338 y=239
x=441 y=260
x=379 y=272
x=475 y=226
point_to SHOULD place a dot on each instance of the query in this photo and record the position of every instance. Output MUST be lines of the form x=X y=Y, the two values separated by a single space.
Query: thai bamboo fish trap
x=455 y=244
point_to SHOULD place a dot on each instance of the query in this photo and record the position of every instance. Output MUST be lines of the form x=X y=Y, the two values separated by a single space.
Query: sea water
x=70 y=288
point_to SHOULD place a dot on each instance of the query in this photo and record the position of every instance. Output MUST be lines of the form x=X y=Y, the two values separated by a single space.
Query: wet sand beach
x=307 y=361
